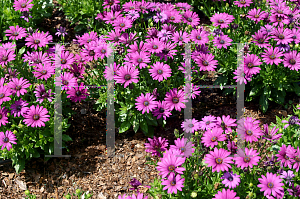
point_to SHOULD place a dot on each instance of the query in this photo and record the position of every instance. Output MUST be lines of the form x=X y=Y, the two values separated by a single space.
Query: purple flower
x=288 y=176
x=18 y=86
x=61 y=31
x=41 y=94
x=135 y=183
x=145 y=103
x=162 y=110
x=292 y=120
x=78 y=93
x=5 y=91
x=156 y=145
x=3 y=116
x=7 y=139
x=19 y=108
x=230 y=180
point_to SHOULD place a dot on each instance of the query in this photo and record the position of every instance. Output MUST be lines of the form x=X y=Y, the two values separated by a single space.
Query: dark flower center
x=175 y=100
x=180 y=38
x=272 y=56
x=172 y=18
x=199 y=37
x=222 y=41
x=247 y=159
x=117 y=38
x=219 y=160
x=261 y=41
x=242 y=1
x=65 y=82
x=191 y=125
x=221 y=21
x=146 y=103
x=205 y=63
x=4 y=58
x=23 y=5
x=165 y=51
x=278 y=19
x=36 y=41
x=18 y=88
x=165 y=34
x=270 y=185
x=256 y=16
x=182 y=149
x=44 y=72
x=92 y=53
x=292 y=120
x=213 y=139
x=249 y=132
x=36 y=117
x=2 y=95
x=113 y=18
x=6 y=140
x=159 y=16
x=139 y=60
x=294 y=37
x=297 y=159
x=142 y=7
x=173 y=183
x=0 y=116
x=207 y=123
x=190 y=19
x=78 y=93
x=230 y=178
x=250 y=65
x=122 y=25
x=15 y=34
x=89 y=40
x=159 y=71
x=63 y=61
x=131 y=8
x=286 y=157
x=161 y=110
x=281 y=36
x=292 y=61
x=103 y=51
x=280 y=11
x=155 y=47
x=127 y=77
x=110 y=3
x=171 y=168
x=19 y=108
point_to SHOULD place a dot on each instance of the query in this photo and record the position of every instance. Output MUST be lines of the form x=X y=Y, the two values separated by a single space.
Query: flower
x=22 y=5
x=292 y=60
x=230 y=180
x=211 y=137
x=272 y=56
x=282 y=36
x=175 y=99
x=160 y=17
x=191 y=18
x=256 y=15
x=36 y=116
x=26 y=16
x=140 y=59
x=135 y=183
x=142 y=6
x=296 y=35
x=38 y=40
x=191 y=91
x=241 y=76
x=127 y=74
x=208 y=122
x=5 y=91
x=232 y=147
x=173 y=183
x=296 y=159
x=174 y=16
x=222 y=41
x=6 y=56
x=110 y=3
x=295 y=191
x=41 y=94
x=110 y=72
x=133 y=15
x=156 y=145
x=19 y=108
x=168 y=51
x=78 y=93
x=124 y=197
x=271 y=135
x=145 y=102
x=252 y=131
x=186 y=148
x=7 y=139
x=180 y=37
x=18 y=86
x=162 y=110
x=3 y=116
x=67 y=81
x=122 y=23
x=225 y=123
x=222 y=19
x=288 y=176
x=16 y=32
x=218 y=160
x=292 y=120
x=61 y=31
x=164 y=35
x=111 y=17
x=226 y=194
x=199 y=36
x=206 y=62
x=246 y=159
x=278 y=21
x=271 y=183
x=154 y=45
x=160 y=71
x=261 y=40
x=67 y=59
x=87 y=38
x=283 y=155
x=251 y=61
x=190 y=125
x=242 y=3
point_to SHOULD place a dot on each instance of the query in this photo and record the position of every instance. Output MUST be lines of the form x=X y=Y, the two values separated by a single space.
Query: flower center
x=219 y=160
x=161 y=110
x=250 y=65
x=165 y=34
x=280 y=11
x=131 y=8
x=63 y=61
x=270 y=185
x=205 y=63
x=247 y=159
x=172 y=18
x=292 y=61
x=159 y=71
x=78 y=93
x=127 y=77
x=44 y=72
x=36 y=117
x=139 y=60
x=2 y=95
x=4 y=58
x=182 y=149
x=281 y=36
x=15 y=34
x=36 y=41
x=249 y=132
x=23 y=5
x=173 y=183
x=110 y=3
x=261 y=41
x=175 y=100
x=146 y=103
x=113 y=18
x=190 y=19
x=142 y=7
x=6 y=140
x=230 y=178
x=65 y=82
x=159 y=16
x=222 y=41
x=89 y=40
x=207 y=123
x=92 y=53
x=19 y=108
x=180 y=38
x=155 y=47
x=0 y=116
x=286 y=157
x=294 y=37
x=278 y=19
x=272 y=56
x=221 y=21
x=18 y=88
x=171 y=168
x=191 y=125
x=256 y=16
x=122 y=25
x=103 y=51
x=242 y=1
x=297 y=159
x=213 y=139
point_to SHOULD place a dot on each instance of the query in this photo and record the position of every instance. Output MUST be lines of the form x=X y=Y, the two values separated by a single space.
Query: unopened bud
x=194 y=194
x=251 y=185
x=15 y=131
x=227 y=5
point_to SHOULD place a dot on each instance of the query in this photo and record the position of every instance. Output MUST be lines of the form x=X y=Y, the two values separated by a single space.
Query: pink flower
x=36 y=116
x=7 y=139
x=211 y=137
x=22 y=5
x=218 y=160
x=180 y=37
x=222 y=42
x=226 y=194
x=18 y=86
x=223 y=20
x=190 y=125
x=127 y=74
x=160 y=71
x=186 y=148
x=173 y=183
x=271 y=184
x=246 y=159
x=15 y=32
x=175 y=99
x=146 y=103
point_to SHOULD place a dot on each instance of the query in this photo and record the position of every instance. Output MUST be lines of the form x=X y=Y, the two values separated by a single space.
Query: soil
x=90 y=169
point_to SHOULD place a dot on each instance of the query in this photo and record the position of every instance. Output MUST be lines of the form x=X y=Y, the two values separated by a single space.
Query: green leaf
x=22 y=50
x=254 y=91
x=66 y=138
x=20 y=165
x=152 y=122
x=124 y=126
x=263 y=101
x=296 y=88
x=135 y=124
x=144 y=126
x=221 y=80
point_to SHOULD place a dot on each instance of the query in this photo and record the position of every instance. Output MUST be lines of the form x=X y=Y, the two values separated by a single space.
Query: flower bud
x=201 y=8
x=291 y=45
x=227 y=5
x=20 y=125
x=297 y=46
x=148 y=66
x=196 y=133
x=194 y=194
x=8 y=114
x=251 y=184
x=196 y=175
x=122 y=93
x=13 y=125
x=199 y=189
x=250 y=194
x=228 y=31
x=15 y=131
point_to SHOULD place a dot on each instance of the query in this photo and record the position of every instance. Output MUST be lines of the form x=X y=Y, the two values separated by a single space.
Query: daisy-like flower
x=6 y=56
x=160 y=71
x=44 y=71
x=124 y=197
x=252 y=60
x=138 y=196
x=232 y=147
x=257 y=15
x=251 y=131
x=271 y=135
x=295 y=190
x=3 y=116
x=180 y=37
x=272 y=56
x=271 y=184
x=174 y=16
x=41 y=94
x=160 y=17
x=16 y=32
x=296 y=159
x=156 y=146
x=191 y=18
x=292 y=120
x=103 y=50
x=26 y=15
x=164 y=35
x=218 y=160
x=173 y=183
x=267 y=29
x=186 y=148
x=67 y=81
x=281 y=10
x=18 y=86
x=199 y=36
x=111 y=17
x=61 y=31
x=243 y=3
x=162 y=110
x=154 y=45
x=288 y=176
x=36 y=116
x=67 y=59
x=246 y=159
x=142 y=6
x=5 y=92
x=222 y=42
x=170 y=163
x=190 y=125
x=122 y=24
x=278 y=21
x=36 y=58
x=283 y=155
x=211 y=137
x=231 y=180
x=282 y=36
x=169 y=27
x=208 y=122
x=226 y=193
x=140 y=59
x=133 y=15
x=225 y=123
x=78 y=93
x=241 y=76
x=19 y=108
x=138 y=48
x=168 y=51
x=175 y=99
x=296 y=35
x=22 y=5
x=223 y=20
x=145 y=103
x=36 y=40
x=87 y=38
x=7 y=139
x=190 y=91
x=261 y=40
x=127 y=74
x=128 y=6
x=206 y=62
x=110 y=72
x=292 y=60
x=114 y=36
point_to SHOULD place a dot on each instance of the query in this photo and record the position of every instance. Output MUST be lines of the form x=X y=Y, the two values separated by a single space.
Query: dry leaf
x=21 y=184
